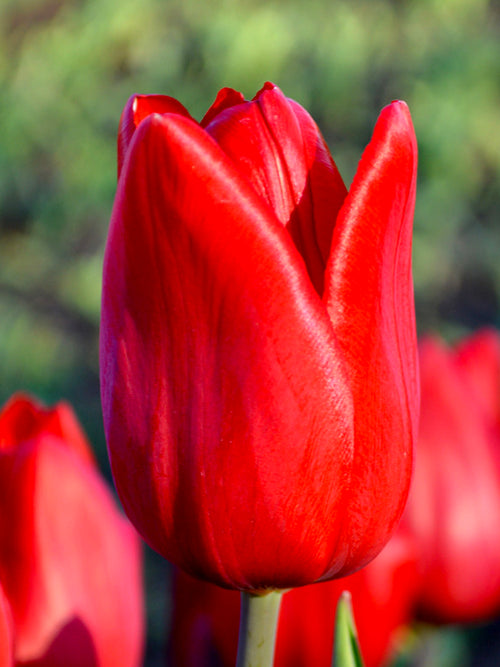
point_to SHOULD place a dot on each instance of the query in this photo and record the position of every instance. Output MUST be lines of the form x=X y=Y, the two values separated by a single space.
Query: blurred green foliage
x=67 y=68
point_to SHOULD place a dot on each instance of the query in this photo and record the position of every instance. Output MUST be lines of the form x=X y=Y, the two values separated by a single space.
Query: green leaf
x=346 y=652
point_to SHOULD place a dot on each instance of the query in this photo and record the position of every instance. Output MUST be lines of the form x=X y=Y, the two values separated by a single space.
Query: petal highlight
x=369 y=295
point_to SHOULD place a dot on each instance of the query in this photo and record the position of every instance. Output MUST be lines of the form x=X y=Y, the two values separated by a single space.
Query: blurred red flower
x=454 y=505
x=258 y=354
x=70 y=562
x=6 y=632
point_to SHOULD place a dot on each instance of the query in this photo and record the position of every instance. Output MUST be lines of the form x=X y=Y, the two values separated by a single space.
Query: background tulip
x=69 y=562
x=205 y=617
x=6 y=632
x=478 y=358
x=454 y=505
x=258 y=358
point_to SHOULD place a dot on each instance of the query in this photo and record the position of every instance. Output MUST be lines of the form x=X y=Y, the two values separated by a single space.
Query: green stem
x=258 y=625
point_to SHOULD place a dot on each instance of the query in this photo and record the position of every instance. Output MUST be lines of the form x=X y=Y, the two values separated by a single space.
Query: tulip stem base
x=258 y=624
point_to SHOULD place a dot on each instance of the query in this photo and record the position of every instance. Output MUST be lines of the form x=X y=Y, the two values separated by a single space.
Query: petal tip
x=398 y=108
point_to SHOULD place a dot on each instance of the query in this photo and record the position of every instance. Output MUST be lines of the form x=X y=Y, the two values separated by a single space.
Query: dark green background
x=66 y=71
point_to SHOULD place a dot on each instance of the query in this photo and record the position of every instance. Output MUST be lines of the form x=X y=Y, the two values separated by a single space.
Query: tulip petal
x=136 y=110
x=219 y=371
x=23 y=419
x=17 y=421
x=369 y=294
x=226 y=98
x=279 y=148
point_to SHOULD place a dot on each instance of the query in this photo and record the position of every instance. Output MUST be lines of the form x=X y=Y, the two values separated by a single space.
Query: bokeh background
x=67 y=68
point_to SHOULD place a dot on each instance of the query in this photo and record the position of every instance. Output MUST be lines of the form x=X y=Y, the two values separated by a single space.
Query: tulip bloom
x=258 y=355
x=454 y=505
x=69 y=561
x=205 y=617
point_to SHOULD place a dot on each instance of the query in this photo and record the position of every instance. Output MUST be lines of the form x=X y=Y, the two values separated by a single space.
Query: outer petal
x=454 y=505
x=65 y=553
x=226 y=407
x=279 y=148
x=136 y=110
x=369 y=294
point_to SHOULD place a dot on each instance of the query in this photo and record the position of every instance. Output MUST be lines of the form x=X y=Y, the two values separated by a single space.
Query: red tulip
x=258 y=355
x=454 y=505
x=69 y=561
x=205 y=617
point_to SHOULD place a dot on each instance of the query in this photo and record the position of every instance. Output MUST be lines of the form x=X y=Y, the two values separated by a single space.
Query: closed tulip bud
x=454 y=505
x=69 y=561
x=258 y=354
